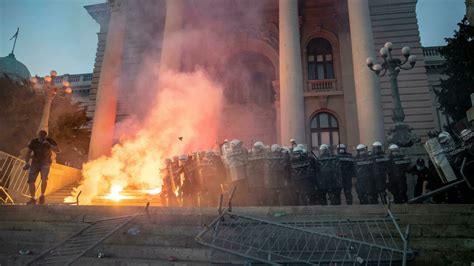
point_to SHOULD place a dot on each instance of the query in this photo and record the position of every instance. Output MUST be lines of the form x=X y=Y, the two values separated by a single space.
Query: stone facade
x=341 y=91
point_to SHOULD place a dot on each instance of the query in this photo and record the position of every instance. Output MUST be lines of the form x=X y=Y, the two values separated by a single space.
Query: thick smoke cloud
x=203 y=103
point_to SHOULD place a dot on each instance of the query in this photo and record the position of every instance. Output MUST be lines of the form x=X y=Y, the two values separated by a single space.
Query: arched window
x=324 y=130
x=320 y=59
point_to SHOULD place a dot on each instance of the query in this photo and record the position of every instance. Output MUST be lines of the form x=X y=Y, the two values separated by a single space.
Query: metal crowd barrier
x=13 y=179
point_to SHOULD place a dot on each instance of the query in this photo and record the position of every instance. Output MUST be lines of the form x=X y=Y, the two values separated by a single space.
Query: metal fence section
x=378 y=241
x=13 y=179
x=71 y=249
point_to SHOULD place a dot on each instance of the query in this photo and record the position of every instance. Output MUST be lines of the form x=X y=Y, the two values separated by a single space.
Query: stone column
x=171 y=48
x=106 y=103
x=369 y=104
x=291 y=75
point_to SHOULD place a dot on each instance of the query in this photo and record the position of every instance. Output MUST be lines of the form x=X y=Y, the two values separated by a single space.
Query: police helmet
x=275 y=148
x=444 y=137
x=393 y=147
x=361 y=147
x=323 y=147
x=298 y=149
x=377 y=144
x=259 y=145
x=235 y=143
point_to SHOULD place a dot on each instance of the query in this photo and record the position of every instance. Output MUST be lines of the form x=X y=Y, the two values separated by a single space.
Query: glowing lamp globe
x=66 y=83
x=68 y=90
x=47 y=78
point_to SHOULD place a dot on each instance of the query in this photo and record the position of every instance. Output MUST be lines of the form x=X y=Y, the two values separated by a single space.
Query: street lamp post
x=400 y=133
x=50 y=90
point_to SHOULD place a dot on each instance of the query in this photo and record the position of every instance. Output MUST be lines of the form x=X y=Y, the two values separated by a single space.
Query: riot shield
x=440 y=160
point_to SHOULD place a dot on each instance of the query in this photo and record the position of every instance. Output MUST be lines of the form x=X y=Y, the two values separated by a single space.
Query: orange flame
x=188 y=105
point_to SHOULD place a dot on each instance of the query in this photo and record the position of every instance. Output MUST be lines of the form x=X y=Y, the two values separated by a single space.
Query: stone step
x=152 y=252
x=171 y=261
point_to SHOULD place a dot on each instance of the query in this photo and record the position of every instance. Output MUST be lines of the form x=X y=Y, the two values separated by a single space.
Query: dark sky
x=60 y=34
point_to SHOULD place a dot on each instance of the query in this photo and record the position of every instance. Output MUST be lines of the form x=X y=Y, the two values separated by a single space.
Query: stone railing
x=324 y=85
x=431 y=51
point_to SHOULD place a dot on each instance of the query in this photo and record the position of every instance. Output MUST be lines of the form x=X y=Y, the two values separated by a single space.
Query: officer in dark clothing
x=303 y=176
x=381 y=166
x=255 y=174
x=363 y=165
x=276 y=175
x=346 y=170
x=328 y=178
x=168 y=198
x=422 y=176
x=397 y=180
x=189 y=189
x=42 y=149
x=213 y=177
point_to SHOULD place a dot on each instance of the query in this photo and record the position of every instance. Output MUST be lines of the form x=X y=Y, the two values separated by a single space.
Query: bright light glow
x=193 y=111
x=66 y=83
x=68 y=90
x=154 y=191
x=34 y=80
x=115 y=193
x=47 y=78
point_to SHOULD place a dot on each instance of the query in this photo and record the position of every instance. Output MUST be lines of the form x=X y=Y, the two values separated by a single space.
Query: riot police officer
x=303 y=176
x=397 y=181
x=255 y=173
x=346 y=171
x=236 y=158
x=190 y=185
x=168 y=198
x=363 y=164
x=381 y=163
x=276 y=175
x=213 y=177
x=328 y=178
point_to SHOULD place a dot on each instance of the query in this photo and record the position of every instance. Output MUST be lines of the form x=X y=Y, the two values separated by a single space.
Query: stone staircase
x=58 y=196
x=440 y=234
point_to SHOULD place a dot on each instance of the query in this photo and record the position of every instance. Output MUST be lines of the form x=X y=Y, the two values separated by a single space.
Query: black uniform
x=303 y=177
x=346 y=170
x=276 y=175
x=255 y=177
x=397 y=181
x=213 y=177
x=328 y=179
x=190 y=188
x=363 y=165
x=167 y=195
x=236 y=162
x=381 y=169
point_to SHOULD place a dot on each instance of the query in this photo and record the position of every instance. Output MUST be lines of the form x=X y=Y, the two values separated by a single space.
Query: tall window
x=320 y=59
x=324 y=130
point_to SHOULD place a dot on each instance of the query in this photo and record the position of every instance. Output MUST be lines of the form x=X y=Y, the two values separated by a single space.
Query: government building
x=297 y=67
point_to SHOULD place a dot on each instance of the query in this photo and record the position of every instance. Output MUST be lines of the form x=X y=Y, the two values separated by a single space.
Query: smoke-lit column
x=171 y=50
x=369 y=104
x=291 y=74
x=106 y=103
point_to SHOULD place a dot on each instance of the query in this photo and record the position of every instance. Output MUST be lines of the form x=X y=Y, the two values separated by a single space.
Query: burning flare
x=188 y=105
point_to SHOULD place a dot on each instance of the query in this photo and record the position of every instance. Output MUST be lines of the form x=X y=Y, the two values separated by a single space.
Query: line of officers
x=276 y=175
